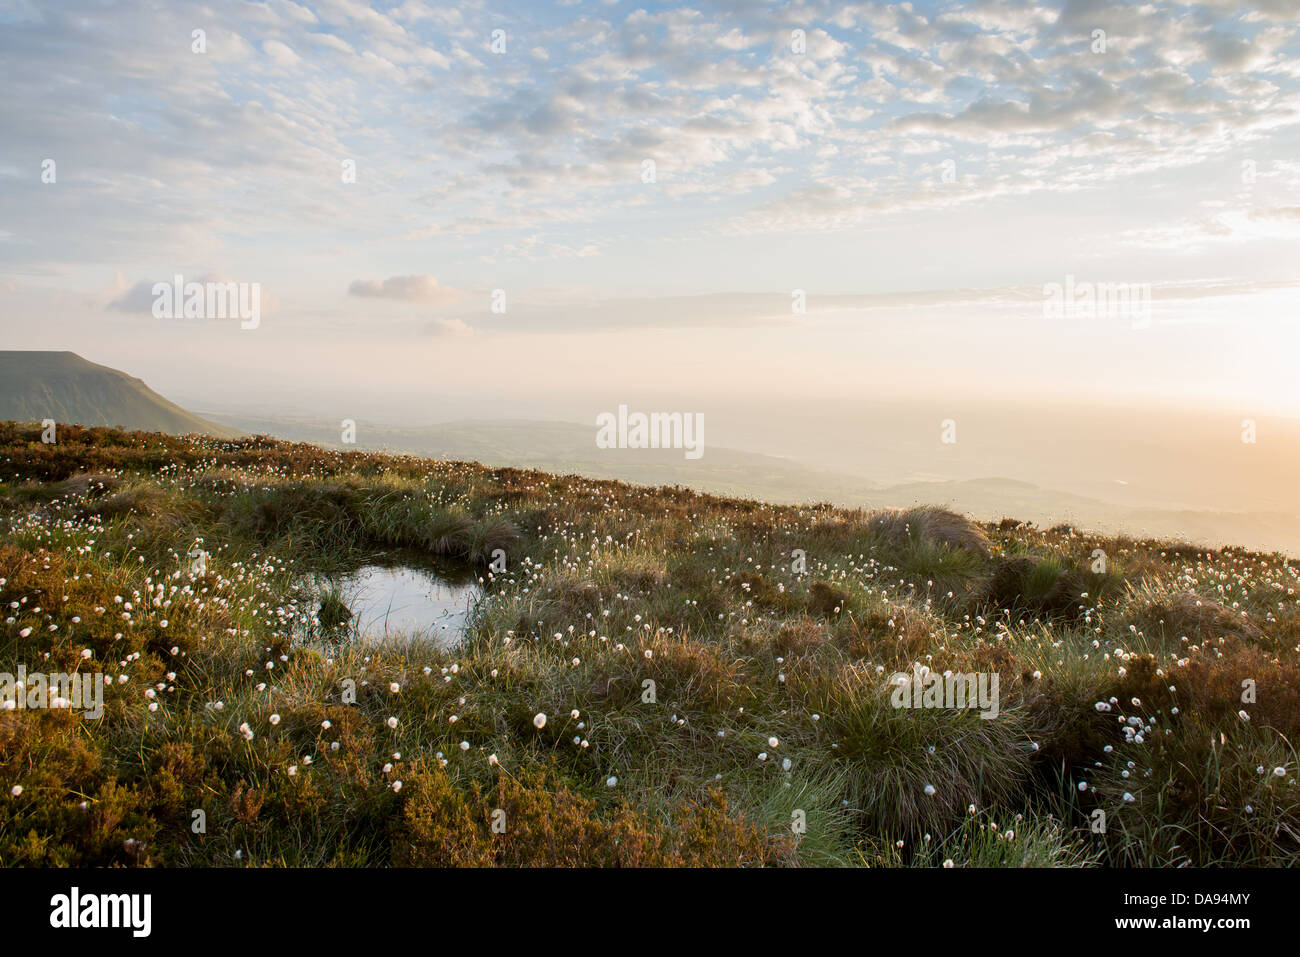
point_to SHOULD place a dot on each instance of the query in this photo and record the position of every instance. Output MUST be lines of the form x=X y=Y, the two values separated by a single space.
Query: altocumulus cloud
x=423 y=289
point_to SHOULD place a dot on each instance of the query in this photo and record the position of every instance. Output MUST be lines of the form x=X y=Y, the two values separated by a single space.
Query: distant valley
x=69 y=389
x=565 y=447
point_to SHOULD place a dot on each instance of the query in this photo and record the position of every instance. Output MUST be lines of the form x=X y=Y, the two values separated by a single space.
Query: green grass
x=731 y=702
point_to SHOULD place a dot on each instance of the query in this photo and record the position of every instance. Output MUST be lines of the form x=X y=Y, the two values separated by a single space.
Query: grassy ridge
x=37 y=385
x=706 y=700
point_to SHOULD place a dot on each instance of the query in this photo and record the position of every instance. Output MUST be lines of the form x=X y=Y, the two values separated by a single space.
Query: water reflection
x=385 y=599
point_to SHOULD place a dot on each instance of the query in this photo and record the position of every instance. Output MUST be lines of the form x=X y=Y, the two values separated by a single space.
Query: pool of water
x=386 y=600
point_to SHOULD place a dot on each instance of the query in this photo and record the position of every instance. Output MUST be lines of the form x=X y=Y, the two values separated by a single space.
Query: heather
x=652 y=677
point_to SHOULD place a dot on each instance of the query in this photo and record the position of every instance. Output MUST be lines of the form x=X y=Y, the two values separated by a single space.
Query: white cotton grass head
x=539 y=721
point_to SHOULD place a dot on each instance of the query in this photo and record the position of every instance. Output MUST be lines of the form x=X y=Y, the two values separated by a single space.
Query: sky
x=829 y=200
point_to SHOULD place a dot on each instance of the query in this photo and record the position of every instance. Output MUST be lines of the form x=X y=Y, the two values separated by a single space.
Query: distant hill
x=565 y=447
x=66 y=388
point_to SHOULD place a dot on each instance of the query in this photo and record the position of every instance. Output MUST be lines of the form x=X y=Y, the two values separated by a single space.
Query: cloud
x=565 y=311
x=476 y=161
x=138 y=298
x=281 y=53
x=422 y=289
x=1237 y=225
x=448 y=328
x=1285 y=213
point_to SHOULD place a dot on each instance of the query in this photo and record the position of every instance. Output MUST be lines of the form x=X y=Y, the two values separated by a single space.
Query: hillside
x=650 y=676
x=567 y=447
x=66 y=388
x=69 y=389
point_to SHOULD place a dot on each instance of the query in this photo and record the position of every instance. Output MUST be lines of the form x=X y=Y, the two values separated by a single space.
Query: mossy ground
x=770 y=738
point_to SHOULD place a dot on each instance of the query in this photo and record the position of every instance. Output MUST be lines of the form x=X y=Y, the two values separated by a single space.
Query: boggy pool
x=389 y=597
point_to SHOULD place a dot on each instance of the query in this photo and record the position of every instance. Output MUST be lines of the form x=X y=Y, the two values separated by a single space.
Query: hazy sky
x=919 y=171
